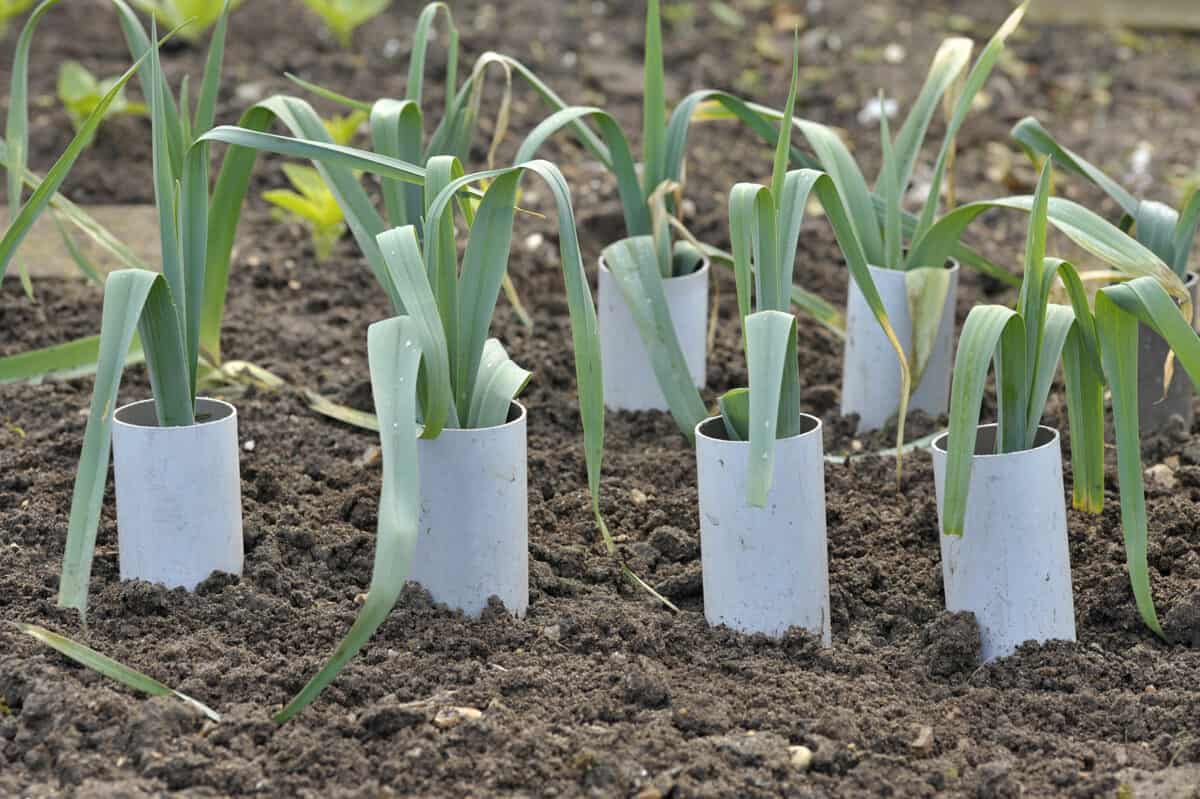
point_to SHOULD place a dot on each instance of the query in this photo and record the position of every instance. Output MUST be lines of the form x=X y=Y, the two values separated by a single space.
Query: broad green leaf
x=1031 y=304
x=396 y=133
x=1037 y=141
x=622 y=165
x=770 y=343
x=1185 y=232
x=1058 y=322
x=497 y=384
x=851 y=187
x=416 y=63
x=890 y=191
x=110 y=668
x=132 y=297
x=210 y=85
x=402 y=254
x=634 y=264
x=60 y=361
x=395 y=362
x=1082 y=226
x=926 y=289
x=734 y=406
x=1118 y=336
x=988 y=330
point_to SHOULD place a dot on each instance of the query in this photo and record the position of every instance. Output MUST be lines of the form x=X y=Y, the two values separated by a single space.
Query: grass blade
x=16 y=127
x=110 y=668
x=654 y=104
x=42 y=195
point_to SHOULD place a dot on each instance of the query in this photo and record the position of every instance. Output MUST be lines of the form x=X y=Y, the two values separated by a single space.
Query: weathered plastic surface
x=629 y=380
x=1012 y=565
x=473 y=538
x=870 y=368
x=764 y=569
x=178 y=490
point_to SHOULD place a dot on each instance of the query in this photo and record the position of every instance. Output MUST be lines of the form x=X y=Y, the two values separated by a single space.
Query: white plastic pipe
x=473 y=538
x=1012 y=565
x=629 y=380
x=179 y=501
x=870 y=368
x=764 y=569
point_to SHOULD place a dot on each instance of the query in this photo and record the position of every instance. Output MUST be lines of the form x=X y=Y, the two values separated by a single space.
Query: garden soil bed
x=599 y=690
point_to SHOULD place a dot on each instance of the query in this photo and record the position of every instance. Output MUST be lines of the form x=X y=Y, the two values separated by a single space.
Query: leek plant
x=649 y=192
x=343 y=16
x=764 y=227
x=164 y=308
x=1167 y=231
x=435 y=363
x=1097 y=346
x=877 y=218
x=80 y=92
x=397 y=126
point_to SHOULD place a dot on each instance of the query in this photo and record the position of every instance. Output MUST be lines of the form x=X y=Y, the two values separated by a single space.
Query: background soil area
x=599 y=690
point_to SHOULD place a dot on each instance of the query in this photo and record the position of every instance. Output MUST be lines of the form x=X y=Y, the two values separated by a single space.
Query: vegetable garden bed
x=599 y=690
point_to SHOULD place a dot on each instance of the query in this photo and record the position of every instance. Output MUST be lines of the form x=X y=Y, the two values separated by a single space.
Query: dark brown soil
x=599 y=691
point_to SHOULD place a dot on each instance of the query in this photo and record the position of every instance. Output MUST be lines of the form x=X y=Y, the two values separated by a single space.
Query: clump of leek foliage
x=467 y=379
x=649 y=191
x=342 y=17
x=1097 y=347
x=80 y=92
x=1168 y=232
x=880 y=228
x=164 y=308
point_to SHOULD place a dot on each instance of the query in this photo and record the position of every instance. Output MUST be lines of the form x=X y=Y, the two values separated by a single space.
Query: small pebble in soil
x=802 y=757
x=449 y=717
x=1161 y=475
